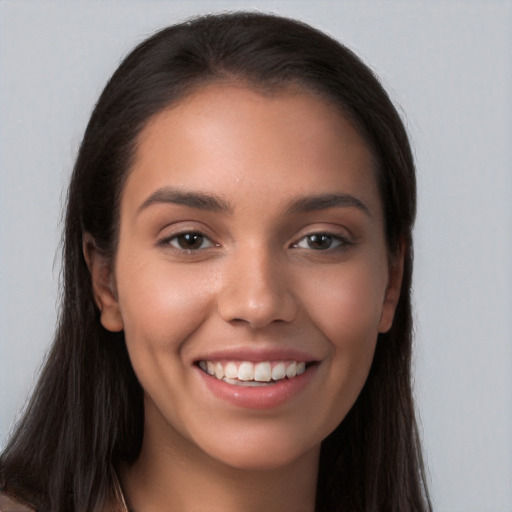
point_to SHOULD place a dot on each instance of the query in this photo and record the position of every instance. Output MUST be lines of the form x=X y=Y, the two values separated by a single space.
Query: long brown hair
x=86 y=413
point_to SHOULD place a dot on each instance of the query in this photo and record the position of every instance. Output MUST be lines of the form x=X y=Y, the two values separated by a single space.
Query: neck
x=173 y=475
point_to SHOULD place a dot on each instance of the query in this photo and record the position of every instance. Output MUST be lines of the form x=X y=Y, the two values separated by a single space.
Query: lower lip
x=259 y=397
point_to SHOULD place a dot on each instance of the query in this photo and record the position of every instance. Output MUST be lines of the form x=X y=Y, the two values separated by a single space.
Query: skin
x=255 y=281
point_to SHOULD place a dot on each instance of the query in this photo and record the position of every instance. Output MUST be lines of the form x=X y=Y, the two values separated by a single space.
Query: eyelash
x=340 y=242
x=168 y=241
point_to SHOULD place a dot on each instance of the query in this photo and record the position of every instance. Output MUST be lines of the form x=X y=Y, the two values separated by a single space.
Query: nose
x=256 y=290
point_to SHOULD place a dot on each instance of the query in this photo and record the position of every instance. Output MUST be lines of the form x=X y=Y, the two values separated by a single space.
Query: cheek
x=347 y=303
x=161 y=305
x=347 y=312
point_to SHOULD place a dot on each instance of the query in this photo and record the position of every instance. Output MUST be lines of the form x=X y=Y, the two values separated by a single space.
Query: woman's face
x=251 y=246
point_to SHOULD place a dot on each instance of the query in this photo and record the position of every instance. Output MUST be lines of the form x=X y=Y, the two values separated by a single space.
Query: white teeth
x=246 y=371
x=247 y=383
x=291 y=370
x=219 y=371
x=279 y=371
x=262 y=372
x=231 y=371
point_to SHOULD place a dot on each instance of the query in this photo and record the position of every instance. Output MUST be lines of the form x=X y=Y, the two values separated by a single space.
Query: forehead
x=238 y=142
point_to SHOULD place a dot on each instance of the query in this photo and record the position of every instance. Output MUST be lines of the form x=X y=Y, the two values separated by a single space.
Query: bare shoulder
x=9 y=503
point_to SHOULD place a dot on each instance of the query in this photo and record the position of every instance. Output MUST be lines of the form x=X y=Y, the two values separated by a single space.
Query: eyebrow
x=325 y=201
x=198 y=200
x=213 y=203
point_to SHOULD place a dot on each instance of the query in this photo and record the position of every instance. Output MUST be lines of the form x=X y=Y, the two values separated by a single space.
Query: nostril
x=246 y=306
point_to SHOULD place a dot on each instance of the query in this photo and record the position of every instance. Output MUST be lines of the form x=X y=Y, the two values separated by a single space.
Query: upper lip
x=256 y=354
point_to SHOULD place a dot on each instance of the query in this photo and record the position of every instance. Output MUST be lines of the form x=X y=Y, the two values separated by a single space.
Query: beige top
x=9 y=503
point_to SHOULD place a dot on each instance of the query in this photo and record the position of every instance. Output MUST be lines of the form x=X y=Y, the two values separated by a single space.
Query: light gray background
x=447 y=64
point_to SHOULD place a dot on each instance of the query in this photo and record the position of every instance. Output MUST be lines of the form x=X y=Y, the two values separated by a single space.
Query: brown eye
x=190 y=241
x=321 y=242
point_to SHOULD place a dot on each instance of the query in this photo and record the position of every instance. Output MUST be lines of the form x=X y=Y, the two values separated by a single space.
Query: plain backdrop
x=446 y=64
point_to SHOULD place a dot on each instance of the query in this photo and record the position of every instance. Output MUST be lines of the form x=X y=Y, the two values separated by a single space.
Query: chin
x=262 y=453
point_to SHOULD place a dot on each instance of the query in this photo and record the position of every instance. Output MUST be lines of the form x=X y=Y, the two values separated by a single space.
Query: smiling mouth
x=248 y=373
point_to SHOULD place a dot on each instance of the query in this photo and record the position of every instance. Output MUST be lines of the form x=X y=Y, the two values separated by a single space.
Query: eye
x=321 y=242
x=189 y=241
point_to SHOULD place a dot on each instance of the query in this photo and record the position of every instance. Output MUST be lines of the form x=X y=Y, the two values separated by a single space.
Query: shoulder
x=10 y=503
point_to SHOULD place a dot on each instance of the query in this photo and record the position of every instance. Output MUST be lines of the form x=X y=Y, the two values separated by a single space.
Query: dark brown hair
x=86 y=413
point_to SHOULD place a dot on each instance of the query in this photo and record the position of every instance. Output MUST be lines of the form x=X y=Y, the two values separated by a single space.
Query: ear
x=103 y=285
x=392 y=295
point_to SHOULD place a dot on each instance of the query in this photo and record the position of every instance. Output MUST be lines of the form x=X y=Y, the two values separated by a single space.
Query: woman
x=236 y=323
